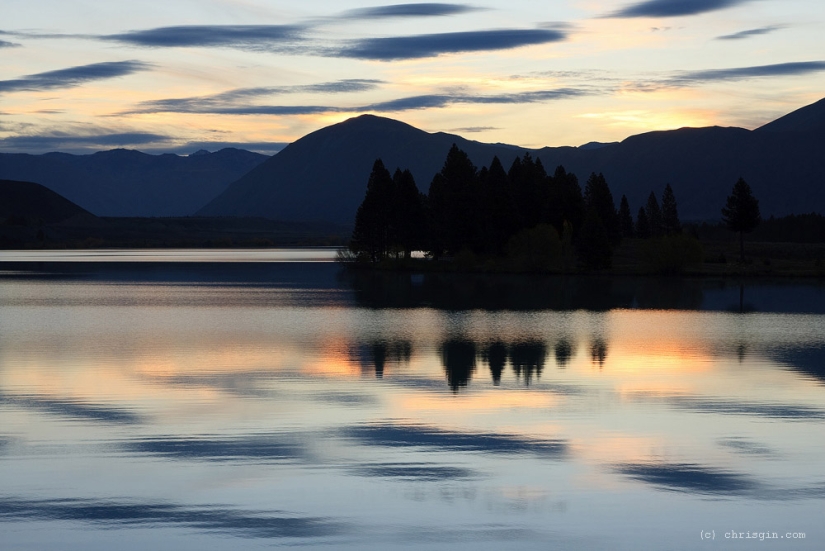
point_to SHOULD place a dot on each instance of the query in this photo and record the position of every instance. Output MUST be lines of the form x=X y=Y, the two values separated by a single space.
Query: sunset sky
x=180 y=75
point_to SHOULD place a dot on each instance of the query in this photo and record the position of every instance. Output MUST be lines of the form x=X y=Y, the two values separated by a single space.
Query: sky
x=176 y=76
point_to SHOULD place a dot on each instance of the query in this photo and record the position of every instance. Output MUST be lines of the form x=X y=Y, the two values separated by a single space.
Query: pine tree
x=654 y=215
x=453 y=202
x=566 y=202
x=497 y=211
x=642 y=224
x=593 y=247
x=625 y=218
x=741 y=213
x=597 y=196
x=371 y=237
x=407 y=220
x=670 y=213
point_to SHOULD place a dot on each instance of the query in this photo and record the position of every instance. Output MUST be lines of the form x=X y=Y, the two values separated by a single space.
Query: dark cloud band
x=4 y=44
x=243 y=36
x=675 y=8
x=73 y=76
x=60 y=141
x=749 y=33
x=432 y=45
x=741 y=73
x=409 y=10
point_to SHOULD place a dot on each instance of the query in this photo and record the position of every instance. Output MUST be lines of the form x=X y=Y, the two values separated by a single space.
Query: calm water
x=220 y=404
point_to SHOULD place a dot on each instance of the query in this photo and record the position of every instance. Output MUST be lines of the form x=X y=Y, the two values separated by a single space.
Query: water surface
x=225 y=404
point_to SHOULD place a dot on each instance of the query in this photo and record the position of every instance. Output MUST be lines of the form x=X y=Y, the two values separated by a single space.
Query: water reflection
x=459 y=359
x=72 y=409
x=212 y=518
x=278 y=447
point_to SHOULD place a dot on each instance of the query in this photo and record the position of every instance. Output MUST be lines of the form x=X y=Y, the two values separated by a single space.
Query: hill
x=129 y=183
x=21 y=202
x=323 y=175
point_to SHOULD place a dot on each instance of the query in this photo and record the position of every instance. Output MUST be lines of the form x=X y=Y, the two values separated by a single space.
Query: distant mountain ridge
x=124 y=182
x=27 y=201
x=323 y=176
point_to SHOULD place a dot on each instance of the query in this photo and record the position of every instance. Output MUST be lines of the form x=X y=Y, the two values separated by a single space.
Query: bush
x=672 y=254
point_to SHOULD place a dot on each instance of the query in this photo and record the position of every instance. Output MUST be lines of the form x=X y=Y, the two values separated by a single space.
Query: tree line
x=524 y=212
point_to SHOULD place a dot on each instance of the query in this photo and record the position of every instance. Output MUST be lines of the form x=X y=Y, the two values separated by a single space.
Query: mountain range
x=124 y=182
x=322 y=177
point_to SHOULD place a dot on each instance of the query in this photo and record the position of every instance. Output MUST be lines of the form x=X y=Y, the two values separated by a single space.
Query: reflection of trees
x=495 y=354
x=377 y=354
x=459 y=359
x=564 y=352
x=598 y=351
x=528 y=358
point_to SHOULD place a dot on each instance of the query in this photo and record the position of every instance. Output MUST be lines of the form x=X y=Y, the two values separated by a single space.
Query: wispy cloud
x=54 y=141
x=409 y=10
x=674 y=8
x=210 y=105
x=432 y=45
x=234 y=36
x=4 y=44
x=73 y=76
x=474 y=129
x=749 y=33
x=232 y=97
x=740 y=73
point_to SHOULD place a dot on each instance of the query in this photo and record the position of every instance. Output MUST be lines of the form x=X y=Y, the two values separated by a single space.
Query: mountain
x=21 y=202
x=323 y=176
x=129 y=183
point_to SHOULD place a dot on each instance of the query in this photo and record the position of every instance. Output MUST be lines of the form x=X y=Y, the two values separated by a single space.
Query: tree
x=407 y=217
x=670 y=214
x=741 y=213
x=497 y=211
x=453 y=200
x=597 y=197
x=642 y=224
x=625 y=218
x=371 y=237
x=654 y=215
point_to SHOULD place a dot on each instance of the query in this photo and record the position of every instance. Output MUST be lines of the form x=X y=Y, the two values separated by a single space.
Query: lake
x=258 y=399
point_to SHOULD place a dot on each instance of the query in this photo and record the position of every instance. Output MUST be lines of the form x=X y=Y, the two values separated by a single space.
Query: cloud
x=4 y=44
x=226 y=99
x=740 y=73
x=235 y=36
x=63 y=141
x=750 y=32
x=210 y=105
x=432 y=45
x=674 y=8
x=689 y=478
x=474 y=129
x=409 y=10
x=73 y=76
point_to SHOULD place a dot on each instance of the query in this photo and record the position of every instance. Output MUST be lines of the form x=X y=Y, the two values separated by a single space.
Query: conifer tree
x=670 y=213
x=625 y=218
x=566 y=203
x=741 y=213
x=654 y=215
x=594 y=247
x=499 y=219
x=642 y=224
x=407 y=217
x=371 y=236
x=453 y=201
x=597 y=196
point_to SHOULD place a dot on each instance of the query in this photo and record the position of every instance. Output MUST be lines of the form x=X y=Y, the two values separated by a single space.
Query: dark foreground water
x=242 y=405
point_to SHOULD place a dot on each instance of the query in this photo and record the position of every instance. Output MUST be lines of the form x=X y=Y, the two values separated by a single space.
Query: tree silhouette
x=371 y=235
x=597 y=197
x=452 y=200
x=407 y=216
x=741 y=213
x=654 y=215
x=565 y=202
x=497 y=212
x=642 y=224
x=593 y=247
x=625 y=218
x=670 y=214
x=459 y=359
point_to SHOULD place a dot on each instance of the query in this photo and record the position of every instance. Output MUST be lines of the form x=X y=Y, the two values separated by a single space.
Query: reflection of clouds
x=732 y=407
x=245 y=524
x=702 y=480
x=414 y=471
x=403 y=436
x=272 y=447
x=72 y=409
x=746 y=447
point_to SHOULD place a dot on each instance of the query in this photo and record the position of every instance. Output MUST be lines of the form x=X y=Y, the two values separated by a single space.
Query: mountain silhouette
x=25 y=201
x=123 y=182
x=323 y=176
